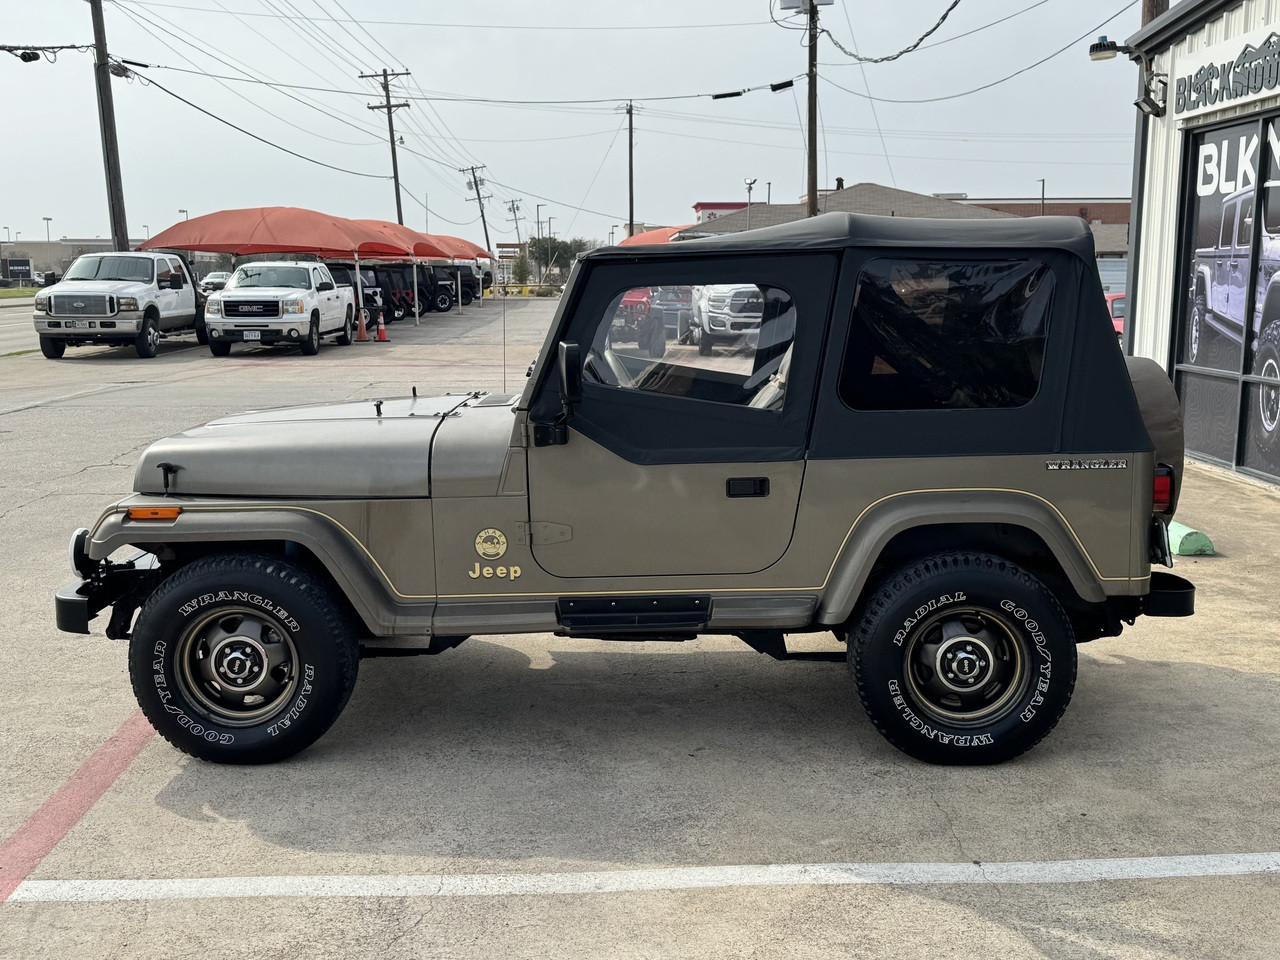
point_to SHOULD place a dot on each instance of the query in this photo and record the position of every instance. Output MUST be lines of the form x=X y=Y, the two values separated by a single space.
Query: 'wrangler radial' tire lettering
x=963 y=658
x=242 y=659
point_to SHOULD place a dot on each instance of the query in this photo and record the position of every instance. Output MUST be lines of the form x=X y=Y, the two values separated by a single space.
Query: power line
x=875 y=116
x=993 y=83
x=853 y=54
x=270 y=143
x=466 y=26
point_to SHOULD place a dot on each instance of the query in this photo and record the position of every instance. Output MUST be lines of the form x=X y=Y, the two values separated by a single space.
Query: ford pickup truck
x=131 y=298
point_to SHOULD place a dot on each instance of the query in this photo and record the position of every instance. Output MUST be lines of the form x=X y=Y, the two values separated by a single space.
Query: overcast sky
x=1069 y=120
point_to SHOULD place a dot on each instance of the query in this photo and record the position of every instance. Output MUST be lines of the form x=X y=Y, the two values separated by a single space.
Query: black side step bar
x=593 y=616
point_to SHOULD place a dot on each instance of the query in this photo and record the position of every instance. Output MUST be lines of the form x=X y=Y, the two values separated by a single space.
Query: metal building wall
x=1158 y=302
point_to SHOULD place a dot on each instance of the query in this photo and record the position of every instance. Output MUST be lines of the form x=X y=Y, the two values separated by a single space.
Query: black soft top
x=835 y=230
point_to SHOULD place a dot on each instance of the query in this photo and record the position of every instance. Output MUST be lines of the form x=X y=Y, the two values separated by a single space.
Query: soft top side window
x=947 y=334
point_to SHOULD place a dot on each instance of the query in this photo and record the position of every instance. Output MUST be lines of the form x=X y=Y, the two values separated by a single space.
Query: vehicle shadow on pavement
x=483 y=757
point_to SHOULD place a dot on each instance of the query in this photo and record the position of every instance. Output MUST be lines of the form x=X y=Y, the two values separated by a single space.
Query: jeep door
x=1230 y=263
x=672 y=462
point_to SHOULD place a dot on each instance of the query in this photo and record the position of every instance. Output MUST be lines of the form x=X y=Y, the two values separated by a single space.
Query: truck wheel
x=311 y=345
x=220 y=348
x=443 y=301
x=1199 y=308
x=704 y=345
x=242 y=659
x=467 y=296
x=1266 y=363
x=202 y=332
x=345 y=337
x=147 y=342
x=963 y=658
x=52 y=348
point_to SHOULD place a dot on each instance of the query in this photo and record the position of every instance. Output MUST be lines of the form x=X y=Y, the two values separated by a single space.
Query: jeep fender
x=354 y=572
x=884 y=520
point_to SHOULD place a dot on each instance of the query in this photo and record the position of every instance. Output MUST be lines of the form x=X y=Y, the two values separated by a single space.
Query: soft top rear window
x=947 y=334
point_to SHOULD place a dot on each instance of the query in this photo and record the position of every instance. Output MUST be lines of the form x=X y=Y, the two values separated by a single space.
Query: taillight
x=1162 y=489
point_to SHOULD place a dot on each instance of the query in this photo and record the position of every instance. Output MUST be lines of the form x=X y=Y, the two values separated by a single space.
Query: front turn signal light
x=154 y=513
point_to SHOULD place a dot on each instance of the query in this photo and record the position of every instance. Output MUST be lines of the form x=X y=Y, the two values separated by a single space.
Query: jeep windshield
x=138 y=269
x=296 y=277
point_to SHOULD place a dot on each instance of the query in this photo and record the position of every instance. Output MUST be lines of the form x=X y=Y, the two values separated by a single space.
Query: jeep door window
x=946 y=334
x=255 y=276
x=136 y=269
x=720 y=343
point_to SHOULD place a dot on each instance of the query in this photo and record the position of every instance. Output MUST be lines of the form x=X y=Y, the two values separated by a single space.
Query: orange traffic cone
x=362 y=334
x=382 y=330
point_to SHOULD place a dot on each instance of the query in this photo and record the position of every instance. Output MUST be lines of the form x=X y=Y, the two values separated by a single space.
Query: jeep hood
x=346 y=450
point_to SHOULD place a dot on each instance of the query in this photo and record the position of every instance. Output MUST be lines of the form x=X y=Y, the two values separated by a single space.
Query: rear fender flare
x=885 y=519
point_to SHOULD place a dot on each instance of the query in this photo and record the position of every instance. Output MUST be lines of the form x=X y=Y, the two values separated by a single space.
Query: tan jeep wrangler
x=930 y=446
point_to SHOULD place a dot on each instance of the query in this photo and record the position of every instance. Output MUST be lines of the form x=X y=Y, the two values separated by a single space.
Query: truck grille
x=250 y=309
x=82 y=305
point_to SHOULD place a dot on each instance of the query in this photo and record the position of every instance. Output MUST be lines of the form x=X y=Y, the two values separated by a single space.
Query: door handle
x=746 y=487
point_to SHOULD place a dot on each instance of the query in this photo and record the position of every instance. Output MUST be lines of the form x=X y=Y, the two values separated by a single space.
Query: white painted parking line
x=633 y=881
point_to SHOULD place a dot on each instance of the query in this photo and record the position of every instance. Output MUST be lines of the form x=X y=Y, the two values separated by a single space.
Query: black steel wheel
x=52 y=347
x=963 y=658
x=242 y=659
x=442 y=302
x=311 y=343
x=347 y=336
x=147 y=343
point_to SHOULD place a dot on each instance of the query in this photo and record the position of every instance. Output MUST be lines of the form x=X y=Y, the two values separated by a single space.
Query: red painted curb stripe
x=44 y=829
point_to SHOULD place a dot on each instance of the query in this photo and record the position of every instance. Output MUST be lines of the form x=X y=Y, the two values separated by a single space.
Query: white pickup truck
x=279 y=302
x=128 y=298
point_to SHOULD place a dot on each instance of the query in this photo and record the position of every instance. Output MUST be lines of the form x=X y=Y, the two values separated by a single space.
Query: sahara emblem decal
x=1100 y=464
x=491 y=543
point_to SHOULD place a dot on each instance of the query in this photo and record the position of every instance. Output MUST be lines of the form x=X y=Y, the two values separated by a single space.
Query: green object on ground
x=1186 y=542
x=13 y=293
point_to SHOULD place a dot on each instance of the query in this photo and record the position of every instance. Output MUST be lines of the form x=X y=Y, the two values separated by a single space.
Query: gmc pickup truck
x=279 y=302
x=128 y=298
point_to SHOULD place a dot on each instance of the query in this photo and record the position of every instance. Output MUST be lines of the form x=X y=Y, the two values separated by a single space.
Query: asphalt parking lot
x=542 y=797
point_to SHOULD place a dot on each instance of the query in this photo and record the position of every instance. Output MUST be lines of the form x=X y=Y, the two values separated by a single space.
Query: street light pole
x=185 y=216
x=47 y=221
x=147 y=229
x=750 y=183
x=1042 y=196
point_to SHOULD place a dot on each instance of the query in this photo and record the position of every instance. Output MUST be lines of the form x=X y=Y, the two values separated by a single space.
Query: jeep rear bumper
x=1170 y=596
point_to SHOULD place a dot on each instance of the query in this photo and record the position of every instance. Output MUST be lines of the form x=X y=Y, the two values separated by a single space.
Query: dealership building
x=1204 y=283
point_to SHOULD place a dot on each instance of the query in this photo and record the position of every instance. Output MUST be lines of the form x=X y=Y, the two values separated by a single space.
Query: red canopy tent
x=276 y=230
x=661 y=235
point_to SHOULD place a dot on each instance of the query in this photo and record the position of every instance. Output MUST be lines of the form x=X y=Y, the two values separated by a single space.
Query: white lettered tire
x=242 y=659
x=963 y=658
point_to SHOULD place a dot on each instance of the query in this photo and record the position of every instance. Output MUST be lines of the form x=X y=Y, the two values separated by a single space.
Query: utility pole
x=426 y=214
x=812 y=151
x=514 y=207
x=1042 y=196
x=107 y=122
x=391 y=128
x=477 y=182
x=631 y=171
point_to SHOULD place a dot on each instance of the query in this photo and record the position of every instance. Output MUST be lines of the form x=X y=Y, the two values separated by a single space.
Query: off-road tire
x=220 y=348
x=1195 y=325
x=704 y=345
x=311 y=343
x=467 y=296
x=1266 y=363
x=657 y=340
x=442 y=302
x=347 y=336
x=202 y=332
x=147 y=342
x=207 y=625
x=995 y=630
x=52 y=347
